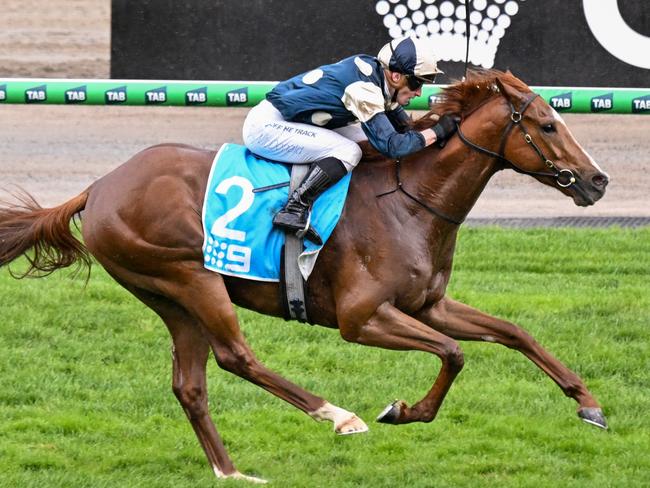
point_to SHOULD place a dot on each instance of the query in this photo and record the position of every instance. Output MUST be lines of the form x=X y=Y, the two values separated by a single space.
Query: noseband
x=563 y=177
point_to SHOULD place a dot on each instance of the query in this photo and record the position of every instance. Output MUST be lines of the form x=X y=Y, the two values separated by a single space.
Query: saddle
x=243 y=194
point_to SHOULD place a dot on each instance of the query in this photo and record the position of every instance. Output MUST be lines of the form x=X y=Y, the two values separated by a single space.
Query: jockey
x=308 y=119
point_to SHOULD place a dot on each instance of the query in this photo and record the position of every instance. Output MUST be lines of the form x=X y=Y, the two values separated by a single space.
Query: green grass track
x=86 y=401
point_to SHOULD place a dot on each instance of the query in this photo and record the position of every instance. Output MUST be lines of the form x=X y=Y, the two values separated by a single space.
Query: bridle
x=516 y=117
x=563 y=177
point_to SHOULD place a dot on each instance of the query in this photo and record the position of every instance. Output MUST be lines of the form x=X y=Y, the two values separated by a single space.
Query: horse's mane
x=459 y=98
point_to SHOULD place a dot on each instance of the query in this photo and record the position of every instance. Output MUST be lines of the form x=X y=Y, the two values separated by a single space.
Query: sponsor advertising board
x=586 y=43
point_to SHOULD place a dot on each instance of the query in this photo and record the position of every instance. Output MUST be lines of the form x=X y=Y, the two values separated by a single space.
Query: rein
x=563 y=177
x=431 y=210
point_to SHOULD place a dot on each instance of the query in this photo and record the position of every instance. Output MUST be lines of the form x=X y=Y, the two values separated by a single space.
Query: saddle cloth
x=239 y=236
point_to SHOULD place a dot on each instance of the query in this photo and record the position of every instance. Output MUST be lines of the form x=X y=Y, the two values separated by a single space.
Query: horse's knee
x=192 y=397
x=453 y=356
x=517 y=338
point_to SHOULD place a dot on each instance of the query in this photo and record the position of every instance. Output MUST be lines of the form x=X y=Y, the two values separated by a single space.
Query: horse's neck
x=450 y=180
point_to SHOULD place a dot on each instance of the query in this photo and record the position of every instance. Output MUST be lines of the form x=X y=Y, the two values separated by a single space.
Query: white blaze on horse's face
x=591 y=160
x=589 y=184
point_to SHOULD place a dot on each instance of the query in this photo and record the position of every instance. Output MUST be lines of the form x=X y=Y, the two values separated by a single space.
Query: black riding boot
x=295 y=215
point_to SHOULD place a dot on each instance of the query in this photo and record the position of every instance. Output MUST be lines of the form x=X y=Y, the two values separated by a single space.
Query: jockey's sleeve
x=366 y=102
x=400 y=119
x=383 y=136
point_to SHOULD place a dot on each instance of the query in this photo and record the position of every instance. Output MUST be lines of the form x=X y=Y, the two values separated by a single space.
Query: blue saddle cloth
x=239 y=236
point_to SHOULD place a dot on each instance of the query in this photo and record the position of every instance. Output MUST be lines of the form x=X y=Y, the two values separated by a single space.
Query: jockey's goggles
x=415 y=82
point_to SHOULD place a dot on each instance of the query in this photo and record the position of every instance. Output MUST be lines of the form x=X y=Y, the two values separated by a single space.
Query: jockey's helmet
x=412 y=56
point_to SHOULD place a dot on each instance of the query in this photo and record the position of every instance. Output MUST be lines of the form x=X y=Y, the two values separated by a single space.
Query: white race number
x=219 y=226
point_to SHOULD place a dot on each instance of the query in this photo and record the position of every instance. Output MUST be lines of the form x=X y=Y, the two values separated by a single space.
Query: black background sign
x=548 y=42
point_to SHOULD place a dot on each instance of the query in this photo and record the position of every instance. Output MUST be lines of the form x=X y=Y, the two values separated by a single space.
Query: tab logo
x=76 y=95
x=433 y=99
x=3 y=93
x=562 y=102
x=116 y=95
x=36 y=95
x=196 y=97
x=237 y=97
x=156 y=96
x=602 y=103
x=639 y=105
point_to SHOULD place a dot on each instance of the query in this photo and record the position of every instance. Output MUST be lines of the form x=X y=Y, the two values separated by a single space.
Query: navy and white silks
x=313 y=116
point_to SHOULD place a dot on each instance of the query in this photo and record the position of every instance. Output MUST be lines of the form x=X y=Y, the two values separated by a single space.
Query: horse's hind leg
x=462 y=322
x=190 y=352
x=205 y=295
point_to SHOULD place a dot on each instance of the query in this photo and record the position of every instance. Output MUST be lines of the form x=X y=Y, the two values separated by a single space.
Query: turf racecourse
x=85 y=396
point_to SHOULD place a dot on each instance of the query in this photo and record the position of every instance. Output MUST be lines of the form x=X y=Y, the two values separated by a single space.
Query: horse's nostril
x=600 y=180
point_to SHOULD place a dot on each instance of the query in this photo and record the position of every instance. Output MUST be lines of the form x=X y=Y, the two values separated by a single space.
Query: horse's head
x=533 y=140
x=541 y=144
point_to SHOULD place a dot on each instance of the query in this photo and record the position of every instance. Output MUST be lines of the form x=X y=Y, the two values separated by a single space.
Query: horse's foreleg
x=208 y=299
x=466 y=323
x=391 y=329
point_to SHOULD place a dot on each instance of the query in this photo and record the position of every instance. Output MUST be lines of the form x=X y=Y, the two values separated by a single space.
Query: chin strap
x=393 y=99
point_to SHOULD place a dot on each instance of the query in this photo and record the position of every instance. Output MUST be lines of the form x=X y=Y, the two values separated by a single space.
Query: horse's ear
x=511 y=94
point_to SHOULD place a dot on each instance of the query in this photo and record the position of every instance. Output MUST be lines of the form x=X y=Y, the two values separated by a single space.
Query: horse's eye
x=548 y=128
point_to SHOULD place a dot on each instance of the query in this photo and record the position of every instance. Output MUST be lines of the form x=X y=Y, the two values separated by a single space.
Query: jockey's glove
x=446 y=127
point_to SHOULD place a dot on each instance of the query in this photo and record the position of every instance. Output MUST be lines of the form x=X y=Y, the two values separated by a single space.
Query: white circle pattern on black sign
x=444 y=21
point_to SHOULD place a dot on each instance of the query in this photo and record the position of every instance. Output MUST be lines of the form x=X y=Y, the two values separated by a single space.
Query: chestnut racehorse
x=380 y=279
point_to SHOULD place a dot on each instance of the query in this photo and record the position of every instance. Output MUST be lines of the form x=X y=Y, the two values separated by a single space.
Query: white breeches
x=267 y=134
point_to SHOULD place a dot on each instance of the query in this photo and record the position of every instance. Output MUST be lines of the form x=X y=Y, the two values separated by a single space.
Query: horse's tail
x=26 y=225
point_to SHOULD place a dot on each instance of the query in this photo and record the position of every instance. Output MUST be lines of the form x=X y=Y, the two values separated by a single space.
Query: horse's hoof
x=251 y=479
x=236 y=475
x=391 y=413
x=353 y=425
x=593 y=416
